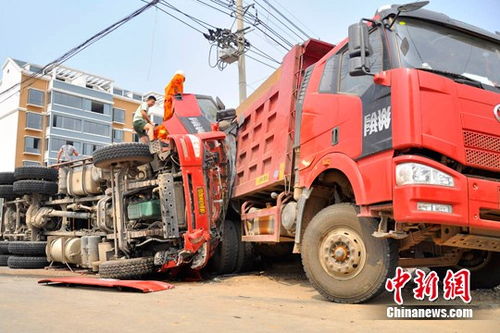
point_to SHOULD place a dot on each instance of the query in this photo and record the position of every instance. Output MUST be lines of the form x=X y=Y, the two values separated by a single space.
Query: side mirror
x=359 y=49
x=219 y=103
x=228 y=114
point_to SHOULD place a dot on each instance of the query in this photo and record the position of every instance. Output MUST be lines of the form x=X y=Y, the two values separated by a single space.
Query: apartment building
x=39 y=115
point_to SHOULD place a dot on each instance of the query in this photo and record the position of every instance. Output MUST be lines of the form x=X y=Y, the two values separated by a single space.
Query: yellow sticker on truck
x=262 y=179
x=202 y=208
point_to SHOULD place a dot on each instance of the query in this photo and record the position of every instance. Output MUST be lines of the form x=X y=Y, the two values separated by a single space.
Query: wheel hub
x=342 y=253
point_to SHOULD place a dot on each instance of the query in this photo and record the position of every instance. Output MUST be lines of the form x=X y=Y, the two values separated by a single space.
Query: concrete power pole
x=241 y=46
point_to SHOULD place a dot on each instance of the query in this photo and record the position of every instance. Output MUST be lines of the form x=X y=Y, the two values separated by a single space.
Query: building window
x=35 y=97
x=32 y=145
x=96 y=128
x=33 y=120
x=67 y=123
x=56 y=144
x=137 y=97
x=117 y=135
x=117 y=91
x=31 y=163
x=118 y=115
x=135 y=137
x=89 y=148
x=97 y=107
x=67 y=100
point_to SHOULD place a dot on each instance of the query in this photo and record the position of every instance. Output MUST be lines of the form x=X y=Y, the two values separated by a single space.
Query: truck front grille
x=482 y=150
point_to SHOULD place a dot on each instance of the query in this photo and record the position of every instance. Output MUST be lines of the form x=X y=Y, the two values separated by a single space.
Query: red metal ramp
x=140 y=285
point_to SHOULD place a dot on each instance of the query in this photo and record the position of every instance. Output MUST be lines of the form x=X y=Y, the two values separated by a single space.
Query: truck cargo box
x=267 y=123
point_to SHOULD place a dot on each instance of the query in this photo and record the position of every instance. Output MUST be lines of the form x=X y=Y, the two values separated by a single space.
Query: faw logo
x=377 y=121
x=196 y=124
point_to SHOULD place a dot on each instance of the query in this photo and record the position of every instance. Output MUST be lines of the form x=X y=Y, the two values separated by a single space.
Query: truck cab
x=392 y=156
x=132 y=208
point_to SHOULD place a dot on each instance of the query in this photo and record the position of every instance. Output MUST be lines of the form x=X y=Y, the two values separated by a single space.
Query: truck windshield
x=434 y=47
x=208 y=107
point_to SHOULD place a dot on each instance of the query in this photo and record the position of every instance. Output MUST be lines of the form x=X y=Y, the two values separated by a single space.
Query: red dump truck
x=377 y=152
x=383 y=150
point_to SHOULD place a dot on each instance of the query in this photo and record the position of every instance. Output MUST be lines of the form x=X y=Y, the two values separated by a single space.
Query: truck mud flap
x=125 y=285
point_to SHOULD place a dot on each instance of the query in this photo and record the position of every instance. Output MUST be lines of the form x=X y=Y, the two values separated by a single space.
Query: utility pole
x=241 y=46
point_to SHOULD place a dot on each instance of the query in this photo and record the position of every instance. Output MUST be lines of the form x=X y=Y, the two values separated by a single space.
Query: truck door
x=343 y=114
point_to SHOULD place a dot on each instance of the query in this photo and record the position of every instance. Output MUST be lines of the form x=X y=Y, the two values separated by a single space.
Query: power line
x=263 y=63
x=197 y=20
x=178 y=19
x=77 y=49
x=255 y=24
x=296 y=18
x=280 y=21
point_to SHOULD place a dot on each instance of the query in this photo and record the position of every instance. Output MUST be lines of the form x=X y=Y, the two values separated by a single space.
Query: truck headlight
x=415 y=173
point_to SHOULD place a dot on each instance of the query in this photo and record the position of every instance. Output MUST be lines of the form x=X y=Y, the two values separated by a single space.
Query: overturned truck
x=132 y=208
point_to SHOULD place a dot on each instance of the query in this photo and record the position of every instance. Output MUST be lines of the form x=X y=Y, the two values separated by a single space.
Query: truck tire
x=27 y=248
x=225 y=257
x=4 y=247
x=7 y=178
x=7 y=192
x=132 y=152
x=3 y=259
x=126 y=268
x=484 y=268
x=27 y=262
x=341 y=258
x=36 y=172
x=245 y=260
x=35 y=187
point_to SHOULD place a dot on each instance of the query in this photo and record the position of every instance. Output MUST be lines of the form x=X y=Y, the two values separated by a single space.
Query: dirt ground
x=279 y=299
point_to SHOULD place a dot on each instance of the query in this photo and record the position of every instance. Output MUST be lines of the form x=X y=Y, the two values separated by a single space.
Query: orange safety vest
x=174 y=87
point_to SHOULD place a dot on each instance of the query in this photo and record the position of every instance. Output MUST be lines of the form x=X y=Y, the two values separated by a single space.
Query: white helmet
x=181 y=72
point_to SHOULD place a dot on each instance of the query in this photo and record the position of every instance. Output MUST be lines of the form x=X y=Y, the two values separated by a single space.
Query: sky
x=143 y=54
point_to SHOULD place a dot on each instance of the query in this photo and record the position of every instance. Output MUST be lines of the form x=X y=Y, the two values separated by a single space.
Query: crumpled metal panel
x=140 y=285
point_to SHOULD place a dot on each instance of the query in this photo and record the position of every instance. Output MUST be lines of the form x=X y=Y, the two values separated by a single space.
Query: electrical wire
x=296 y=19
x=280 y=21
x=178 y=19
x=219 y=64
x=47 y=69
x=256 y=24
x=263 y=63
x=197 y=20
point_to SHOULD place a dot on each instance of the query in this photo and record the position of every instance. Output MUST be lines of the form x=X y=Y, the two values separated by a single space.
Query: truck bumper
x=475 y=202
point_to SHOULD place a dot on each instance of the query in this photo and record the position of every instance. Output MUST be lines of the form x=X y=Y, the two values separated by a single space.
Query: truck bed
x=264 y=157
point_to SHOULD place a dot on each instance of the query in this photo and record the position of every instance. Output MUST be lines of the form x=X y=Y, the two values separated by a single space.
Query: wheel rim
x=475 y=260
x=342 y=253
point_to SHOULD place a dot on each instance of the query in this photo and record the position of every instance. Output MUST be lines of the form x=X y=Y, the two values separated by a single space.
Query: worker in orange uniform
x=174 y=87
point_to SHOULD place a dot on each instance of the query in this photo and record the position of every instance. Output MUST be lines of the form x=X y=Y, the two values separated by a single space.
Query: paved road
x=249 y=303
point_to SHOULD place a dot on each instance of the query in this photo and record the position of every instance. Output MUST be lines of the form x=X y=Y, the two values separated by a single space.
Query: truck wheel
x=126 y=268
x=3 y=259
x=245 y=260
x=36 y=172
x=131 y=152
x=341 y=258
x=7 y=192
x=27 y=262
x=484 y=268
x=7 y=178
x=225 y=257
x=27 y=248
x=35 y=187
x=4 y=247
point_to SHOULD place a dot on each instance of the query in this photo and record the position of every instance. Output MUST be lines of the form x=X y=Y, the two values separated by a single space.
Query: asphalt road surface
x=260 y=302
